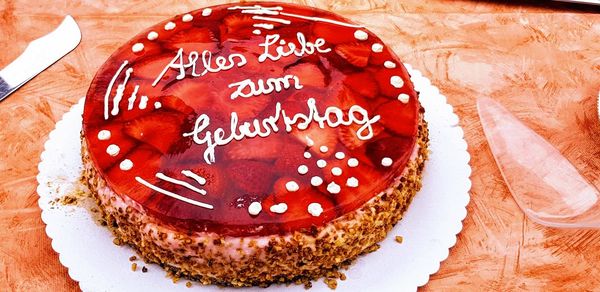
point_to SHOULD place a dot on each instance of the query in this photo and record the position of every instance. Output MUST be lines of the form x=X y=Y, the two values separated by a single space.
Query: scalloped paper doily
x=429 y=227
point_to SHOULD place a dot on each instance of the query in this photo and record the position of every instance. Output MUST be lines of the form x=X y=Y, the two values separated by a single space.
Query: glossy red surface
x=252 y=169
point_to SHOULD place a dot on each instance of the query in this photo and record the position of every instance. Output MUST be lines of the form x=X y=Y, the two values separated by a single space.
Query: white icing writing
x=332 y=117
x=220 y=63
x=247 y=88
x=304 y=47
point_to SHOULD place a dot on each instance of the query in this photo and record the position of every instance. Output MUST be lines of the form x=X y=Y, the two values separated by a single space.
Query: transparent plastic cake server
x=545 y=185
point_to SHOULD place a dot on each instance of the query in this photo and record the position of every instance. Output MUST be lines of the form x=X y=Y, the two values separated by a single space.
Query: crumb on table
x=134 y=267
x=399 y=239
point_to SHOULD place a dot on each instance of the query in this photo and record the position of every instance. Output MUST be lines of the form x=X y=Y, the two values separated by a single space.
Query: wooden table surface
x=543 y=63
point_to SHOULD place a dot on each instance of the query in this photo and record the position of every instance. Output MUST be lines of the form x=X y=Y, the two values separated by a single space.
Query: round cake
x=250 y=144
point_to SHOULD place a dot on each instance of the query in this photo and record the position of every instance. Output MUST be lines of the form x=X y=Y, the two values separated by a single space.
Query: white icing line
x=259 y=11
x=279 y=208
x=361 y=35
x=333 y=188
x=336 y=171
x=307 y=155
x=109 y=89
x=316 y=181
x=264 y=25
x=206 y=12
x=200 y=180
x=377 y=48
x=104 y=135
x=143 y=102
x=255 y=7
x=292 y=186
x=254 y=208
x=170 y=25
x=112 y=150
x=126 y=165
x=152 y=35
x=321 y=163
x=340 y=155
x=132 y=98
x=396 y=81
x=173 y=195
x=353 y=162
x=256 y=31
x=119 y=93
x=162 y=176
x=389 y=64
x=302 y=169
x=187 y=18
x=315 y=209
x=386 y=161
x=309 y=141
x=272 y=19
x=352 y=182
x=320 y=19
x=403 y=98
x=137 y=47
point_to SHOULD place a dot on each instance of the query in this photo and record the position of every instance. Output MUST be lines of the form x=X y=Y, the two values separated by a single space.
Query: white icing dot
x=396 y=81
x=340 y=155
x=126 y=164
x=302 y=169
x=104 y=135
x=352 y=182
x=279 y=208
x=316 y=181
x=170 y=25
x=336 y=171
x=386 y=161
x=112 y=150
x=292 y=186
x=333 y=188
x=157 y=105
x=187 y=18
x=256 y=31
x=138 y=47
x=324 y=149
x=307 y=155
x=315 y=209
x=403 y=97
x=389 y=64
x=353 y=162
x=361 y=35
x=377 y=48
x=152 y=35
x=206 y=12
x=321 y=163
x=254 y=208
x=309 y=142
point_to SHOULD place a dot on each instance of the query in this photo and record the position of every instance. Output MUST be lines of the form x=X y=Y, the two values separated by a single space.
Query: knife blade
x=39 y=55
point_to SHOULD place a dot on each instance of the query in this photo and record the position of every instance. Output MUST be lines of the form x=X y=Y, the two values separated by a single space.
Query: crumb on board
x=399 y=239
x=144 y=269
x=132 y=258
x=134 y=267
x=188 y=284
x=331 y=283
x=117 y=241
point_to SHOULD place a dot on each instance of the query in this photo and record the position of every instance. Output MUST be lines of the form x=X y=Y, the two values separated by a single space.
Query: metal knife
x=39 y=55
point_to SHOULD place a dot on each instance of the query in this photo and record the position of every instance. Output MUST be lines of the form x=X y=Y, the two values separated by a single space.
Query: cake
x=251 y=144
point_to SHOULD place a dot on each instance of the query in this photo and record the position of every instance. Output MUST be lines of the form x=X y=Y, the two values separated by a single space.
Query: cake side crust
x=252 y=261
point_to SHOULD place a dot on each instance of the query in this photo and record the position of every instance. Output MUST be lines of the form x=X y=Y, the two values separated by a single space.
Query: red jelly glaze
x=254 y=169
